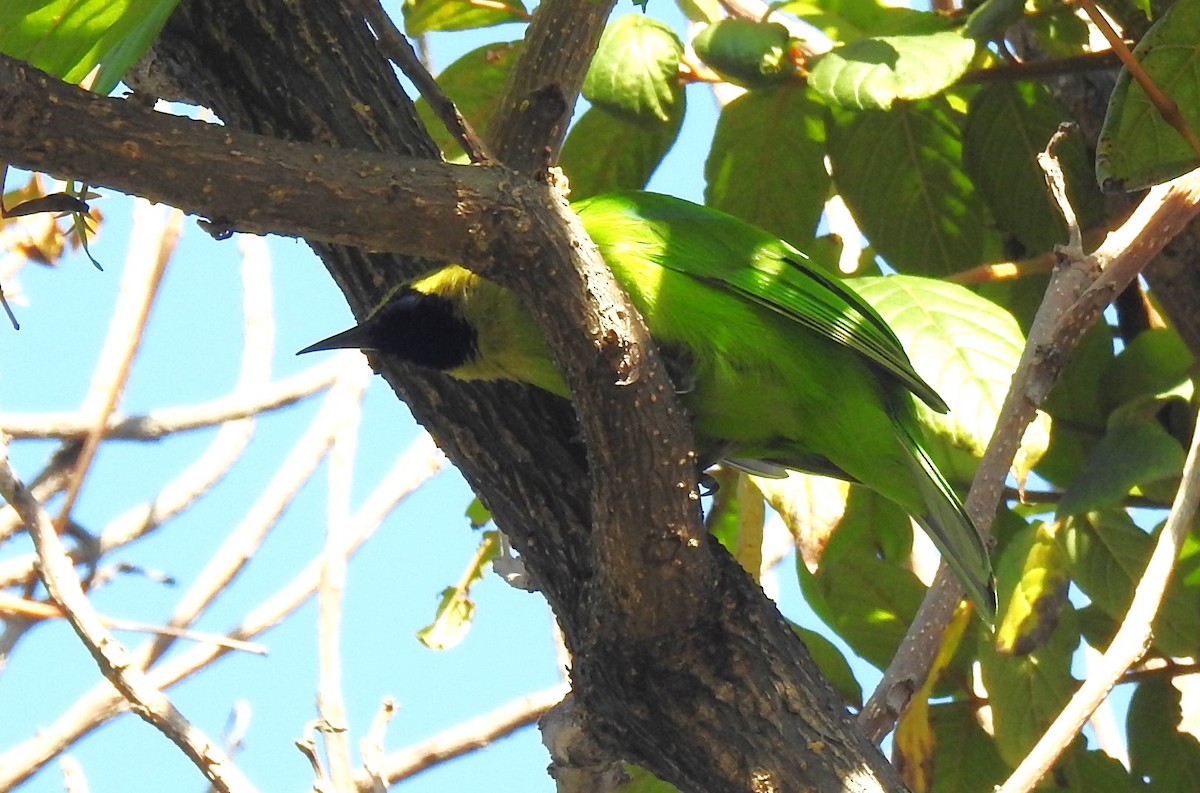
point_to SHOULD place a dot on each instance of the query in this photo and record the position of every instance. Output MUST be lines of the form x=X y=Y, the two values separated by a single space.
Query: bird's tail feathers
x=952 y=531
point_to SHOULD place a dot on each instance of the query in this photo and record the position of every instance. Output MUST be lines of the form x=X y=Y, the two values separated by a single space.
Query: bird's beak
x=356 y=338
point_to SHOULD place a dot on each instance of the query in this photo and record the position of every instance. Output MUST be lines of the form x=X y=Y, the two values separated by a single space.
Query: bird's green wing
x=730 y=254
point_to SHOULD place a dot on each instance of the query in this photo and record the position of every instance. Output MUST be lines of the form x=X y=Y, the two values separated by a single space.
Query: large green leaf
x=965 y=758
x=423 y=16
x=635 y=69
x=1137 y=147
x=1129 y=455
x=851 y=20
x=1158 y=751
x=1027 y=692
x=964 y=346
x=1107 y=554
x=1032 y=586
x=69 y=38
x=862 y=589
x=1008 y=125
x=902 y=176
x=473 y=82
x=606 y=152
x=767 y=162
x=873 y=73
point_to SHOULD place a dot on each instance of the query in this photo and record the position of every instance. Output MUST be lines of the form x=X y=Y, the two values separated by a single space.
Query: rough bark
x=681 y=663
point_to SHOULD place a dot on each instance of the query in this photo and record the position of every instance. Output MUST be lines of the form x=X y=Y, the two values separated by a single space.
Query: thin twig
x=412 y=469
x=143 y=697
x=1131 y=640
x=41 y=610
x=370 y=748
x=241 y=544
x=466 y=737
x=160 y=423
x=331 y=704
x=155 y=235
x=396 y=47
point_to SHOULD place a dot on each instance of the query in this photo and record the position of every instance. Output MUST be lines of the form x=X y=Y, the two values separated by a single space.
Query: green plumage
x=780 y=365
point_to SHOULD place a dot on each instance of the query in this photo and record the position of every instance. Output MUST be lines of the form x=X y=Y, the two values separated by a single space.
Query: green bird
x=780 y=365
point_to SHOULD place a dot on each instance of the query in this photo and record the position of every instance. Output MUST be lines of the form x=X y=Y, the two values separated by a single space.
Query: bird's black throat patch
x=422 y=329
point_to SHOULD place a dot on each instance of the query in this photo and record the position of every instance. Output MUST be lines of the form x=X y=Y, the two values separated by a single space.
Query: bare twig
x=146 y=700
x=263 y=515
x=395 y=46
x=155 y=235
x=160 y=423
x=41 y=610
x=101 y=703
x=463 y=738
x=1131 y=640
x=371 y=749
x=331 y=703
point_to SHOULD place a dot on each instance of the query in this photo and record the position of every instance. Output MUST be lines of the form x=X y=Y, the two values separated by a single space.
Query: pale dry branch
x=422 y=461
x=242 y=543
x=152 y=241
x=36 y=610
x=158 y=424
x=331 y=703
x=371 y=748
x=134 y=687
x=473 y=734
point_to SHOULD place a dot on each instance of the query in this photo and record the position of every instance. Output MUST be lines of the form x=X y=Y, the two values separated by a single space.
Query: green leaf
x=992 y=18
x=1107 y=555
x=850 y=20
x=423 y=16
x=1158 y=750
x=1137 y=147
x=902 y=176
x=478 y=515
x=1027 y=692
x=1083 y=771
x=744 y=52
x=833 y=665
x=1059 y=31
x=1032 y=588
x=867 y=600
x=767 y=162
x=69 y=38
x=874 y=73
x=456 y=610
x=965 y=758
x=1008 y=125
x=634 y=71
x=700 y=10
x=964 y=346
x=1153 y=364
x=473 y=82
x=605 y=152
x=1129 y=455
